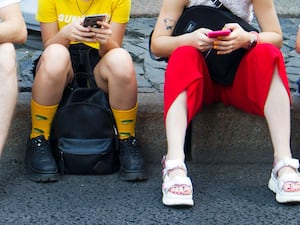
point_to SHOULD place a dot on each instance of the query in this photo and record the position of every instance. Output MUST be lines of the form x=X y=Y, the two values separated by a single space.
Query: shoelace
x=40 y=144
x=131 y=146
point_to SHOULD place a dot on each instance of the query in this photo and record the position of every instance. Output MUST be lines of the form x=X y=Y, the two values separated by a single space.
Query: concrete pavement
x=234 y=194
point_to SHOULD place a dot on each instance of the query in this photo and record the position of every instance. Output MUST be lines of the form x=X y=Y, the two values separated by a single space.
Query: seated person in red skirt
x=260 y=87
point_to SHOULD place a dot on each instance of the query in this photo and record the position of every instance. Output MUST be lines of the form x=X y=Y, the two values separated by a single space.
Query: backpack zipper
x=61 y=162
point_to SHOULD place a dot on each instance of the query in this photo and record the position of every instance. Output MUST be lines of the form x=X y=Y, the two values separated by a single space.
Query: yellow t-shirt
x=66 y=11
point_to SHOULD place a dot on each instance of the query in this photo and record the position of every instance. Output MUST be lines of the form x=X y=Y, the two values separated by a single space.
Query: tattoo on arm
x=169 y=23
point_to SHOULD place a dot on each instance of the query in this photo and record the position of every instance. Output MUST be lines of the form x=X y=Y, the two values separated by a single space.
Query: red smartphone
x=218 y=33
x=91 y=20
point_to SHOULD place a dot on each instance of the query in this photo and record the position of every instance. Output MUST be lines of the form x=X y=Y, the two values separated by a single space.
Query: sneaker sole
x=132 y=176
x=282 y=197
x=178 y=201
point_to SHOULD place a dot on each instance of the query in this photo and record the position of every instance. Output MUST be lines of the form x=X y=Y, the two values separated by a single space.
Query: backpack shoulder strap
x=84 y=76
x=219 y=5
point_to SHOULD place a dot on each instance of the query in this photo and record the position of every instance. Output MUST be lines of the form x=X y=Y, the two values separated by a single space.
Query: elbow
x=297 y=46
x=280 y=42
x=153 y=50
x=277 y=39
x=22 y=35
x=156 y=50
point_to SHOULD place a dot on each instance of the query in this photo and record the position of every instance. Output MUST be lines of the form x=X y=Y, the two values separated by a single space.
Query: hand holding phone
x=218 y=33
x=91 y=21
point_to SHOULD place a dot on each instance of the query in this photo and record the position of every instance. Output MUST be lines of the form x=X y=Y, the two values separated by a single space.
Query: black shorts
x=84 y=58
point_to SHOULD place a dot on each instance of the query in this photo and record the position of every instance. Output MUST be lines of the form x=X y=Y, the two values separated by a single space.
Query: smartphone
x=218 y=33
x=91 y=20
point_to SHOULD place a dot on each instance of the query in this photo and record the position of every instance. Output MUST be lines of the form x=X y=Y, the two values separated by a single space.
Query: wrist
x=253 y=39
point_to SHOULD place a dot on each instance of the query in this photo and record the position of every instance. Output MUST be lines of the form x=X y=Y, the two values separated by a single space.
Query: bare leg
x=8 y=89
x=118 y=79
x=176 y=124
x=116 y=75
x=52 y=75
x=277 y=113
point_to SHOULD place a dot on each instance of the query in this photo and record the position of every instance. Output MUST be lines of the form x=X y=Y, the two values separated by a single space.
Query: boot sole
x=132 y=176
x=42 y=177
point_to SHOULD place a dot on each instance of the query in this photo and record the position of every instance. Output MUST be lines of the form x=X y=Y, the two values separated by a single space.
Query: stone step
x=219 y=134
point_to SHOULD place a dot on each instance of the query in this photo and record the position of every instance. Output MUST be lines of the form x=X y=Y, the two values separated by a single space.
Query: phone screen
x=92 y=20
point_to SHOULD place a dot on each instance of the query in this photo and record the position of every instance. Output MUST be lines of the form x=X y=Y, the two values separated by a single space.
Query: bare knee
x=54 y=63
x=7 y=63
x=119 y=65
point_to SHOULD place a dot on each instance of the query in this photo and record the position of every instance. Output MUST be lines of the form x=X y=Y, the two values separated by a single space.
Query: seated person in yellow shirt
x=63 y=34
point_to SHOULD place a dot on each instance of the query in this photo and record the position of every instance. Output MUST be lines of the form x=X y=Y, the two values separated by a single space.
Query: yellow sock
x=41 y=117
x=125 y=121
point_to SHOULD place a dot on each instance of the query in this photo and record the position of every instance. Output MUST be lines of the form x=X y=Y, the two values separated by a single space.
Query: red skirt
x=187 y=71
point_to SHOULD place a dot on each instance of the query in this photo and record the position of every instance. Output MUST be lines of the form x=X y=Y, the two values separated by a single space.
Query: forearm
x=105 y=47
x=163 y=46
x=271 y=37
x=58 y=38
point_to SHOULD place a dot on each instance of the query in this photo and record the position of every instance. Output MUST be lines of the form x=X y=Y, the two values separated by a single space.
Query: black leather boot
x=40 y=162
x=132 y=163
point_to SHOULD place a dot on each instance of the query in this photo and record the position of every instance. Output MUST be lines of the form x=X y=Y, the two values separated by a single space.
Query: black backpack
x=84 y=135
